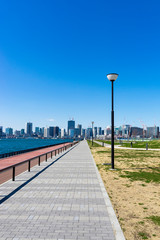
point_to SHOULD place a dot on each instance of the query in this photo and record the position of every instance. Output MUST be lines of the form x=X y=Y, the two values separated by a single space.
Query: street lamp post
x=92 y=132
x=112 y=77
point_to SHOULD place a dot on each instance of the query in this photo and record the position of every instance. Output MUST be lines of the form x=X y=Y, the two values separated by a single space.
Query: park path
x=65 y=200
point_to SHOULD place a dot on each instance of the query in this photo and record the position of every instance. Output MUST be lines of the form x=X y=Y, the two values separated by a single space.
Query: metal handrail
x=38 y=156
x=9 y=154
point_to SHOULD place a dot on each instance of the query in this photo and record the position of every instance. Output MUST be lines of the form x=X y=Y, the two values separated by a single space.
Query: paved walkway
x=66 y=200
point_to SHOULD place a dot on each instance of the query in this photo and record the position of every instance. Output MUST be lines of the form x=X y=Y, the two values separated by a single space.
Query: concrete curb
x=112 y=216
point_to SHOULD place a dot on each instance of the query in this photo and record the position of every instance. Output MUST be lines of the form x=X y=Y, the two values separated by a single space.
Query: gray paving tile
x=63 y=202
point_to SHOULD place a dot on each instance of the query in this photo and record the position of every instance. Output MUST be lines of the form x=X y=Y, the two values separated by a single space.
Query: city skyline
x=74 y=130
x=54 y=63
x=51 y=124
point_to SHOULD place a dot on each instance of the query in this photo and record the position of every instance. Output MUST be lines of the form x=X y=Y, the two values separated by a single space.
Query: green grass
x=147 y=177
x=141 y=222
x=155 y=219
x=151 y=144
x=135 y=144
x=143 y=235
x=94 y=144
x=108 y=151
x=109 y=142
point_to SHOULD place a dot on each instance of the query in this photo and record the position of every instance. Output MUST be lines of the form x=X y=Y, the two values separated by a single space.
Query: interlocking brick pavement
x=64 y=201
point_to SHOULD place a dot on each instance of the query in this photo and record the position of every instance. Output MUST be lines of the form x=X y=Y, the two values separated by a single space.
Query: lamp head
x=112 y=76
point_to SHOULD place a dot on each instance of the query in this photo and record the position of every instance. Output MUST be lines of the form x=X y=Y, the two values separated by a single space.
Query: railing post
x=46 y=157
x=39 y=161
x=29 y=166
x=55 y=152
x=51 y=154
x=13 y=174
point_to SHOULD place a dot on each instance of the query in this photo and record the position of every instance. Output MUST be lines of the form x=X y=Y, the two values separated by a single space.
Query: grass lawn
x=154 y=144
x=134 y=189
x=109 y=142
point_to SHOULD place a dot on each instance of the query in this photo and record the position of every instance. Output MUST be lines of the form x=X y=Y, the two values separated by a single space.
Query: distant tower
x=71 y=125
x=29 y=128
x=1 y=131
x=46 y=132
x=79 y=126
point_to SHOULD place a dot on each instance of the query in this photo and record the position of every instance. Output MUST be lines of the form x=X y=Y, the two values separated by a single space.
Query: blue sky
x=54 y=57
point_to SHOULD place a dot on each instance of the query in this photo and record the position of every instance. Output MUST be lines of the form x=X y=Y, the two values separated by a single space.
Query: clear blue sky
x=55 y=54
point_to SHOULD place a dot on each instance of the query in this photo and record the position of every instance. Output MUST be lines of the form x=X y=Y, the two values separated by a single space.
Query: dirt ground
x=133 y=200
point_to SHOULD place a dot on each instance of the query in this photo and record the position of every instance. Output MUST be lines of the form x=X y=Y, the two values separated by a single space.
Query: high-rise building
x=29 y=128
x=89 y=133
x=42 y=131
x=95 y=132
x=152 y=132
x=83 y=132
x=62 y=132
x=37 y=130
x=46 y=132
x=136 y=131
x=71 y=125
x=9 y=131
x=22 y=132
x=51 y=131
x=1 y=131
x=76 y=132
x=71 y=133
x=99 y=131
x=17 y=133
x=79 y=126
x=56 y=131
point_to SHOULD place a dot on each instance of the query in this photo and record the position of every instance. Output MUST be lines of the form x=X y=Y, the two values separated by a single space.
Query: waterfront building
x=51 y=131
x=125 y=130
x=42 y=130
x=1 y=131
x=9 y=131
x=136 y=131
x=79 y=126
x=37 y=131
x=71 y=133
x=46 y=132
x=95 y=132
x=83 y=132
x=17 y=133
x=71 y=125
x=29 y=129
x=88 y=133
x=22 y=131
x=99 y=131
x=152 y=132
x=63 y=133
x=77 y=132
x=56 y=131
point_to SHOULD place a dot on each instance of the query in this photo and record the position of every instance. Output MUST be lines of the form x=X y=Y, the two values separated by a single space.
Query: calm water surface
x=11 y=145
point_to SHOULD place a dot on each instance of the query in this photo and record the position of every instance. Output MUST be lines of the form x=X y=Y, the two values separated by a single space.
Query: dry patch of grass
x=134 y=189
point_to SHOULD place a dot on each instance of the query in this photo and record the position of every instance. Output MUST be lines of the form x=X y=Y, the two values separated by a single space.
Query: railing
x=55 y=151
x=4 y=155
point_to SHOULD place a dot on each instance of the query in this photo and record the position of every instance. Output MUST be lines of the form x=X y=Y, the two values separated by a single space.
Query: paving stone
x=64 y=201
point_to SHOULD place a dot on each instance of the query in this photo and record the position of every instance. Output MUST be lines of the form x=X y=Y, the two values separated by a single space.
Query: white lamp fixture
x=112 y=76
